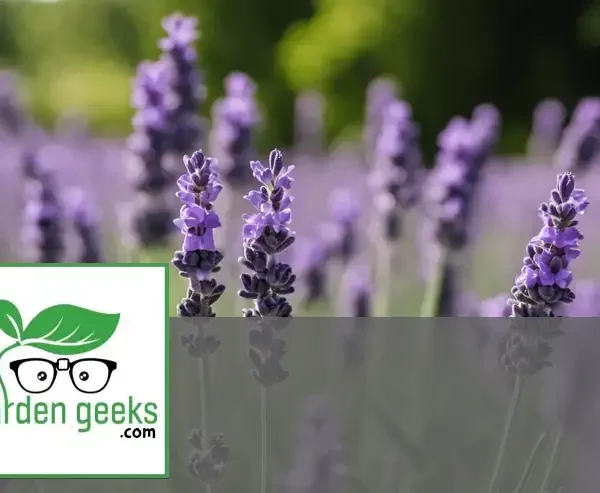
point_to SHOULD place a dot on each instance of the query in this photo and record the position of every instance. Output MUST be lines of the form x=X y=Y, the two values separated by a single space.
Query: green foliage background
x=448 y=56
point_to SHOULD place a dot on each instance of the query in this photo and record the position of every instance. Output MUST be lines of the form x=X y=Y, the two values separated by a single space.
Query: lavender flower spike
x=266 y=233
x=149 y=143
x=85 y=220
x=44 y=217
x=340 y=235
x=312 y=265
x=235 y=116
x=542 y=287
x=186 y=91
x=380 y=92
x=548 y=120
x=397 y=165
x=580 y=144
x=197 y=261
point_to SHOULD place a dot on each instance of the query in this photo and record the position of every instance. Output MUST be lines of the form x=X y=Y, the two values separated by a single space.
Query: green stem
x=204 y=400
x=551 y=463
x=438 y=289
x=263 y=441
x=384 y=279
x=4 y=391
x=530 y=464
x=505 y=432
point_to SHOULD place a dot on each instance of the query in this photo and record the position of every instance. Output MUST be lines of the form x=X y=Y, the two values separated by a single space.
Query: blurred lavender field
x=364 y=400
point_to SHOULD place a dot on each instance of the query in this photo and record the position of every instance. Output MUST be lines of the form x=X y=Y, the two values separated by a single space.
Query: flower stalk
x=197 y=261
x=266 y=234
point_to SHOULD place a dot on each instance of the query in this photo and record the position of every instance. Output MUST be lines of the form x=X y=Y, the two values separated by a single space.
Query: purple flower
x=181 y=32
x=198 y=259
x=44 y=216
x=340 y=235
x=580 y=144
x=85 y=220
x=266 y=233
x=148 y=144
x=397 y=166
x=235 y=119
x=185 y=89
x=543 y=286
x=200 y=185
x=256 y=223
x=264 y=236
x=312 y=262
x=380 y=93
x=464 y=148
x=548 y=120
x=197 y=225
x=358 y=291
x=238 y=84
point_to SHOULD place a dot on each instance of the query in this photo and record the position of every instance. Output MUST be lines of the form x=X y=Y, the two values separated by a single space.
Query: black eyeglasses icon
x=37 y=375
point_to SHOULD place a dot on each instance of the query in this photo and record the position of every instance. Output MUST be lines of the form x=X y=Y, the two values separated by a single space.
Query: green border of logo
x=112 y=265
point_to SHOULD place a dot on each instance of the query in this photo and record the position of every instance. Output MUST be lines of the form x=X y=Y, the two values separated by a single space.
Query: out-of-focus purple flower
x=312 y=264
x=543 y=285
x=235 y=118
x=149 y=142
x=580 y=144
x=397 y=167
x=358 y=289
x=186 y=91
x=43 y=232
x=340 y=233
x=548 y=120
x=86 y=222
x=464 y=148
x=266 y=234
x=380 y=93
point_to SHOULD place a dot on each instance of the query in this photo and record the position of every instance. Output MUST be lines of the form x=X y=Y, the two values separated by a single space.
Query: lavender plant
x=340 y=233
x=266 y=234
x=235 y=118
x=580 y=144
x=542 y=285
x=186 y=91
x=197 y=261
x=150 y=141
x=43 y=231
x=313 y=271
x=357 y=303
x=397 y=165
x=548 y=120
x=85 y=220
x=380 y=92
x=464 y=148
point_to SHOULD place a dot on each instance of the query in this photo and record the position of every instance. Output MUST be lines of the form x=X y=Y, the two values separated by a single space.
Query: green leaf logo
x=11 y=322
x=69 y=329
